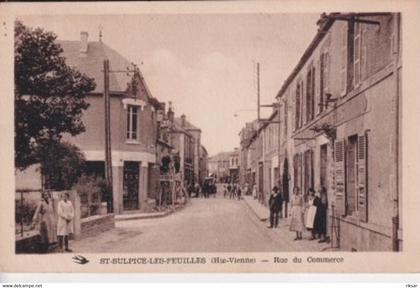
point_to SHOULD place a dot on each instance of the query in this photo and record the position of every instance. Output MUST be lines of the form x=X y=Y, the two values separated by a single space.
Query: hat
x=275 y=189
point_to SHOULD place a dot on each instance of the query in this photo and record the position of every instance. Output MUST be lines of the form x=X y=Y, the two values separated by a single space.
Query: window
x=132 y=125
x=324 y=80
x=343 y=56
x=356 y=53
x=308 y=171
x=351 y=174
x=299 y=107
x=310 y=93
x=285 y=117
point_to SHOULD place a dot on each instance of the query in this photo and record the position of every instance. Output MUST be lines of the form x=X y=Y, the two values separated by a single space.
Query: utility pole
x=258 y=89
x=107 y=106
x=107 y=116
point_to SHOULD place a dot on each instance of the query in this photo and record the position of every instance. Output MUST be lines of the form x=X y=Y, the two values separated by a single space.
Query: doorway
x=131 y=185
x=323 y=166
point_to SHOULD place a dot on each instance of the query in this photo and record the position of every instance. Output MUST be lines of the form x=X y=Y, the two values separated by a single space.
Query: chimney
x=171 y=113
x=183 y=120
x=84 y=42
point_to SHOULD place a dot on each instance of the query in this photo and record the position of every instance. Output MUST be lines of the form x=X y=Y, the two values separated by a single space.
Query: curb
x=262 y=219
x=128 y=217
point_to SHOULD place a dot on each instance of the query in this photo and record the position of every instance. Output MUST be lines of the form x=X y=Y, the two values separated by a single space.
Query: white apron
x=65 y=212
x=310 y=216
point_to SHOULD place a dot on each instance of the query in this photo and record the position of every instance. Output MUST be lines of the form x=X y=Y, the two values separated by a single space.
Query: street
x=205 y=225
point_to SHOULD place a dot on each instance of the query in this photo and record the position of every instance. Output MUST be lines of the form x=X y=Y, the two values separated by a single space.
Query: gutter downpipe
x=396 y=216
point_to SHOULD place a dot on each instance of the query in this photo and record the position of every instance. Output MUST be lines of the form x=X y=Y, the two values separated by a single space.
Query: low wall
x=354 y=236
x=95 y=225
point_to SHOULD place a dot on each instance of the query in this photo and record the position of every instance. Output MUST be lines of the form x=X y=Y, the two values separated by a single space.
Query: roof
x=325 y=22
x=188 y=125
x=91 y=63
x=308 y=52
x=221 y=156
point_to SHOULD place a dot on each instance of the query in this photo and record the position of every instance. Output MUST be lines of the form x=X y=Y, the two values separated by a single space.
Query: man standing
x=65 y=222
x=275 y=202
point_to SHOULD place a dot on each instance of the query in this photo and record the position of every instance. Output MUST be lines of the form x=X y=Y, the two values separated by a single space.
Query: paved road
x=206 y=225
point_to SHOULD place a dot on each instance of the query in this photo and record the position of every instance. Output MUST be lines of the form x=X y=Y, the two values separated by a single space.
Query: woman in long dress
x=44 y=220
x=65 y=223
x=296 y=212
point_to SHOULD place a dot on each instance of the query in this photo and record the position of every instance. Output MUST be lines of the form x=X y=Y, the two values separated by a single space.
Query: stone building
x=133 y=122
x=341 y=127
x=203 y=169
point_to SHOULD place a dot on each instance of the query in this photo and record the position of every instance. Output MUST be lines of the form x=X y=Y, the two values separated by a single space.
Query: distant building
x=225 y=166
x=204 y=170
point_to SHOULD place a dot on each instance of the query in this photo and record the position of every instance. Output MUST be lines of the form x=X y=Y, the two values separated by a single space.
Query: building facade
x=204 y=170
x=133 y=121
x=225 y=166
x=339 y=129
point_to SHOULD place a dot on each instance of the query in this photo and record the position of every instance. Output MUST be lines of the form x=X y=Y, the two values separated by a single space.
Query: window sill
x=132 y=142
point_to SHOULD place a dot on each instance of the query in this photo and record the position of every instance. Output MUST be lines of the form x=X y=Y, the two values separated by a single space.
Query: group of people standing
x=233 y=191
x=54 y=226
x=310 y=214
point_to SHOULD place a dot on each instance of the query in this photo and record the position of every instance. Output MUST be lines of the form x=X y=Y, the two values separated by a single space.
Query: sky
x=205 y=64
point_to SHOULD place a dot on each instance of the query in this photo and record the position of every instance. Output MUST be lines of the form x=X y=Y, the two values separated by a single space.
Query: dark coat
x=275 y=202
x=320 y=222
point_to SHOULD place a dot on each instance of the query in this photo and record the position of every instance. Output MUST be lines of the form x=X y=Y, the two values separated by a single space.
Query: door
x=131 y=185
x=261 y=181
x=323 y=166
x=308 y=171
x=351 y=166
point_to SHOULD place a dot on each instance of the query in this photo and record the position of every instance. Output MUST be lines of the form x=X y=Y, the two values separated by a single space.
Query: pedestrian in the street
x=246 y=188
x=296 y=213
x=275 y=203
x=44 y=221
x=254 y=191
x=229 y=189
x=320 y=222
x=197 y=189
x=225 y=191
x=311 y=212
x=65 y=222
x=214 y=189
x=239 y=192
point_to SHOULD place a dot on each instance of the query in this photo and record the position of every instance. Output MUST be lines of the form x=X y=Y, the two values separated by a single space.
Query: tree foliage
x=61 y=164
x=49 y=95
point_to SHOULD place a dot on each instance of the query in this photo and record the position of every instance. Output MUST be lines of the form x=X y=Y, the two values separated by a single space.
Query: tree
x=49 y=95
x=61 y=164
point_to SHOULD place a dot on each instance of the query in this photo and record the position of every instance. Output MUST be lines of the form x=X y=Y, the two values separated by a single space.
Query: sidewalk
x=147 y=215
x=282 y=235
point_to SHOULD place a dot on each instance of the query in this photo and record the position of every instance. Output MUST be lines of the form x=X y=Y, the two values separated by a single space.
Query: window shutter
x=362 y=178
x=340 y=204
x=321 y=83
x=343 y=70
x=313 y=93
x=326 y=73
x=356 y=54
